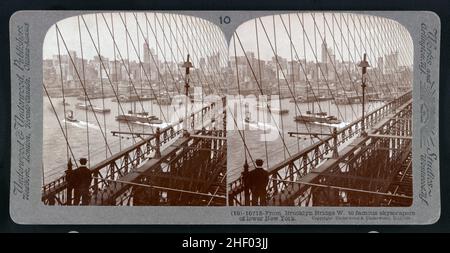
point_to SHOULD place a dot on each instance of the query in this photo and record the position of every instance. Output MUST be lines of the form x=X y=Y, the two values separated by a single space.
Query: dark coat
x=81 y=177
x=258 y=179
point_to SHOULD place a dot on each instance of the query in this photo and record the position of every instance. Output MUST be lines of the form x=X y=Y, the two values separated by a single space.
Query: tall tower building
x=324 y=52
x=146 y=53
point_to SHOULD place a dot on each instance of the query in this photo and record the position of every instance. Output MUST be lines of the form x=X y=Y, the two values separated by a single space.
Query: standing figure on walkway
x=81 y=178
x=258 y=179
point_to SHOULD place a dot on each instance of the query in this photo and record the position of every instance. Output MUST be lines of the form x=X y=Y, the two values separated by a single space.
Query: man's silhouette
x=81 y=178
x=258 y=179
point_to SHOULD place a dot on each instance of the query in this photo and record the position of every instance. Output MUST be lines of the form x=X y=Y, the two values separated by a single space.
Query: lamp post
x=187 y=65
x=363 y=65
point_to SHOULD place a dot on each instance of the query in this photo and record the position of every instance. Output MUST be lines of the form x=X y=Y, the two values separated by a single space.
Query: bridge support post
x=364 y=65
x=69 y=182
x=335 y=143
x=246 y=183
x=158 y=143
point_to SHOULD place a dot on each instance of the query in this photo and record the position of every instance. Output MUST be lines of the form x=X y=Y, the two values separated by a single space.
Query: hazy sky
x=182 y=37
x=347 y=35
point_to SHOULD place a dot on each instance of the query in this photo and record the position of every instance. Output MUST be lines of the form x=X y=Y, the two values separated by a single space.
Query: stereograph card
x=224 y=117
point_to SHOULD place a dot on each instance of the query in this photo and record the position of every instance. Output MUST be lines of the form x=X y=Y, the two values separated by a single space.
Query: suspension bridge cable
x=82 y=83
x=293 y=78
x=86 y=94
x=62 y=89
x=282 y=72
x=278 y=78
x=261 y=91
x=106 y=72
x=335 y=70
x=101 y=83
x=264 y=101
x=127 y=70
x=117 y=79
x=60 y=126
x=319 y=67
x=284 y=76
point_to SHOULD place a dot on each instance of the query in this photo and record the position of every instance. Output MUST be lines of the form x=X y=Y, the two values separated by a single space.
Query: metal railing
x=301 y=163
x=121 y=163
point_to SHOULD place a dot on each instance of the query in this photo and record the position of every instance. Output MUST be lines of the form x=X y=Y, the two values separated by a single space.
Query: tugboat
x=69 y=116
x=320 y=118
x=139 y=117
x=92 y=108
x=248 y=118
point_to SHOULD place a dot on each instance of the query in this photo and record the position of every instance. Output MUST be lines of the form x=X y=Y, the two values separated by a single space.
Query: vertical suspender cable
x=86 y=92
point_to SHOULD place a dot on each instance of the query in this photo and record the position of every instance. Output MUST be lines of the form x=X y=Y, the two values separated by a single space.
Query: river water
x=275 y=150
x=86 y=139
x=85 y=136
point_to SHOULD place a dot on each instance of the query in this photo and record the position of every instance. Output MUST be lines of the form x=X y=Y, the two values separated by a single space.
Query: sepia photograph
x=212 y=117
x=161 y=109
x=323 y=111
x=133 y=111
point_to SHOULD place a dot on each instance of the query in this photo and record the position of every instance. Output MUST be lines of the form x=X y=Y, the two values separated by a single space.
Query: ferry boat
x=347 y=100
x=320 y=117
x=139 y=117
x=310 y=99
x=273 y=110
x=132 y=98
x=92 y=108
x=92 y=96
x=165 y=100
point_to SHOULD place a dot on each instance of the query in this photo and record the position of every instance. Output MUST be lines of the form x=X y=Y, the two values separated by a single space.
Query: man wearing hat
x=258 y=182
x=82 y=178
